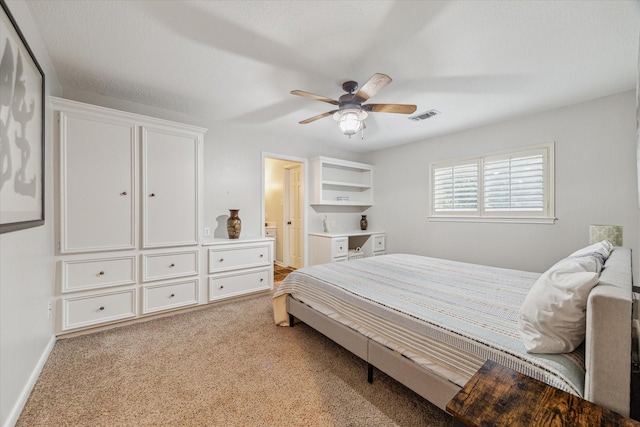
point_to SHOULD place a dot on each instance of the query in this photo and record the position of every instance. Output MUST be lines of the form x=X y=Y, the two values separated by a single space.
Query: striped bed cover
x=447 y=316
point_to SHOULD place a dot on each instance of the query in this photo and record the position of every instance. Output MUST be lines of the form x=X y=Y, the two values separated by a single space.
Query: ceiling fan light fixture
x=350 y=120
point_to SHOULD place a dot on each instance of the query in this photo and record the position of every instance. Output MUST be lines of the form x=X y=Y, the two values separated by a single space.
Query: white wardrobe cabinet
x=97 y=181
x=121 y=176
x=169 y=187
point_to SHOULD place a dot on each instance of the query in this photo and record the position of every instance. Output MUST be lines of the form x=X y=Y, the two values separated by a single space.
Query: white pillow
x=553 y=315
x=604 y=248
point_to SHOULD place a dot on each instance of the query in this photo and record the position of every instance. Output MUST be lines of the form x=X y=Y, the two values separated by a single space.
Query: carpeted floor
x=224 y=365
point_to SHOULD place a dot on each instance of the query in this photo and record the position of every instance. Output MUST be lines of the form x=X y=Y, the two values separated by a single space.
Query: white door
x=295 y=215
x=98 y=183
x=169 y=188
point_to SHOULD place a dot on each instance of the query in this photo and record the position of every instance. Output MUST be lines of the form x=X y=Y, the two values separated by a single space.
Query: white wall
x=27 y=267
x=595 y=176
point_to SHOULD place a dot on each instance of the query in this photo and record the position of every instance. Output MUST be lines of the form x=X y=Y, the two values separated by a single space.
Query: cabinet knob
x=152 y=195
x=221 y=260
x=124 y=193
x=101 y=307
x=221 y=287
x=172 y=265
x=340 y=247
x=261 y=255
x=261 y=279
x=172 y=295
x=101 y=273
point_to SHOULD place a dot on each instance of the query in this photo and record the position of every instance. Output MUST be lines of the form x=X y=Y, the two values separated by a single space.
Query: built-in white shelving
x=339 y=182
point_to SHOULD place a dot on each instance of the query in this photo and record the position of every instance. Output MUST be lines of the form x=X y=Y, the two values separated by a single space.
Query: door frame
x=305 y=198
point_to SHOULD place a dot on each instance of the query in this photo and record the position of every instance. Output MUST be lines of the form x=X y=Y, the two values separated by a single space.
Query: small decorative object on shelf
x=325 y=224
x=364 y=223
x=234 y=224
x=342 y=198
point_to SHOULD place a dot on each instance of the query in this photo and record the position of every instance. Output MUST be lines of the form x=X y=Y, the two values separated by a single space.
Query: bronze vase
x=234 y=224
x=364 y=223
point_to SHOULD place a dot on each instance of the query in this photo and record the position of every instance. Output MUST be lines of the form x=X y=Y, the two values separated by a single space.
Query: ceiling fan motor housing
x=349 y=100
x=350 y=86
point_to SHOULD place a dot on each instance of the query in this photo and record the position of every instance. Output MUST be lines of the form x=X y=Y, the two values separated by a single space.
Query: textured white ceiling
x=476 y=62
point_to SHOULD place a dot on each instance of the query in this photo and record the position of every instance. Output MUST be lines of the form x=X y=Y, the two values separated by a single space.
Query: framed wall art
x=21 y=130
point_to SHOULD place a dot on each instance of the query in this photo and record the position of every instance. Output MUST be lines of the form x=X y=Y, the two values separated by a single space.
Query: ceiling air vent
x=424 y=116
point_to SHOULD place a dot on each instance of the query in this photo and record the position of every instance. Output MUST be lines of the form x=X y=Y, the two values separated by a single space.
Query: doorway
x=284 y=208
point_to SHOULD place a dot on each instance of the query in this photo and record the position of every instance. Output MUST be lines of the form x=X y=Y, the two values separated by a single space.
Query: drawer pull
x=101 y=307
x=152 y=195
x=221 y=260
x=101 y=273
x=261 y=279
x=172 y=265
x=172 y=295
x=124 y=193
x=221 y=287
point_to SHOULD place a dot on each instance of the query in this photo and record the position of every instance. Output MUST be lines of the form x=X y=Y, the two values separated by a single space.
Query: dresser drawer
x=378 y=242
x=78 y=312
x=229 y=285
x=169 y=265
x=98 y=273
x=169 y=296
x=245 y=257
x=340 y=246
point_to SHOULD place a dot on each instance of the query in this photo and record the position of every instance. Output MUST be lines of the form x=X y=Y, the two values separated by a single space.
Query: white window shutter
x=514 y=183
x=455 y=188
x=514 y=186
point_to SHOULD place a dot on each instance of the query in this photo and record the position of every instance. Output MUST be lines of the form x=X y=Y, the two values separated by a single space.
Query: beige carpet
x=224 y=365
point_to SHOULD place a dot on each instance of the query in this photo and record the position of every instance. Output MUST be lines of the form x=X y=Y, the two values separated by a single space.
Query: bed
x=431 y=323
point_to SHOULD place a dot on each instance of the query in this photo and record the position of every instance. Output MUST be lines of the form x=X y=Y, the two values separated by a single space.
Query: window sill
x=507 y=220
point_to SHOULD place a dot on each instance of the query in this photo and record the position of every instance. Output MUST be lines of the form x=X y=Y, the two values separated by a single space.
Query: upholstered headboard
x=608 y=339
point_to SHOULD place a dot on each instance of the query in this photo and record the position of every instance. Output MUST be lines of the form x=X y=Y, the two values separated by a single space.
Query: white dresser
x=335 y=247
x=239 y=267
x=128 y=215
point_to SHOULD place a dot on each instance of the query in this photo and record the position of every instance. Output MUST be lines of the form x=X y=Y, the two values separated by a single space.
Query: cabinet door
x=97 y=180
x=170 y=187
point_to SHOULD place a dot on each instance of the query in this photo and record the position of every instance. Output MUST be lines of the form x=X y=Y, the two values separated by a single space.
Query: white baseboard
x=12 y=419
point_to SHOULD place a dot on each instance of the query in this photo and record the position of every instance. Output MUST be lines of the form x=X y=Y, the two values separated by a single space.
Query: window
x=510 y=186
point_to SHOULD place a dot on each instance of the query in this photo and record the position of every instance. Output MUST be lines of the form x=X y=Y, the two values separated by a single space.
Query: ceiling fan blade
x=390 y=108
x=319 y=116
x=375 y=84
x=313 y=96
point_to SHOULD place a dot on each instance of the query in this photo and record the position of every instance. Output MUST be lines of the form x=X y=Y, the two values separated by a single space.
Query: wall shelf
x=341 y=183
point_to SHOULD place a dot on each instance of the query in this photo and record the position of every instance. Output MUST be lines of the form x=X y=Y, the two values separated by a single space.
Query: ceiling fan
x=351 y=112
